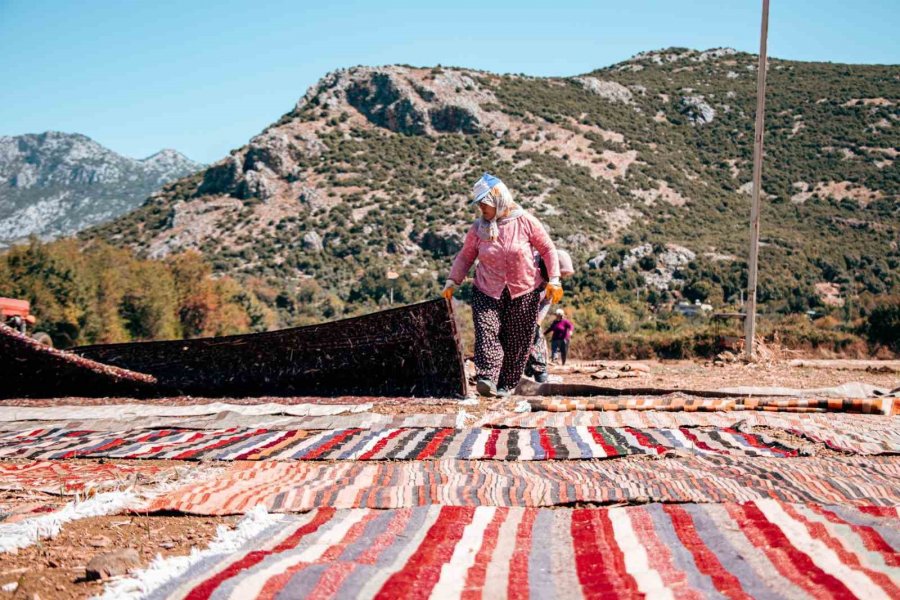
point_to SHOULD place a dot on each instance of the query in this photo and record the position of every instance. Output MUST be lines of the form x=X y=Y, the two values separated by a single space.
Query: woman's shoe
x=504 y=393
x=486 y=387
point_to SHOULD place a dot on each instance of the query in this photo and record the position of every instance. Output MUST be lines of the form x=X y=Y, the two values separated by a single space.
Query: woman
x=536 y=365
x=508 y=284
x=562 y=329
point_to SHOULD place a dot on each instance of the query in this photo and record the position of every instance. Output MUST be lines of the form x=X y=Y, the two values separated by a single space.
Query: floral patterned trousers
x=504 y=335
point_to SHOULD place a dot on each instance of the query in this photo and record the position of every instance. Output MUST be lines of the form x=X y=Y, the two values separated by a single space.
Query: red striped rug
x=762 y=549
x=69 y=477
x=425 y=443
x=303 y=486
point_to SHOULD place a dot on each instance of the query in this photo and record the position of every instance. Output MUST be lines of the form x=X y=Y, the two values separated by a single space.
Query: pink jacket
x=507 y=262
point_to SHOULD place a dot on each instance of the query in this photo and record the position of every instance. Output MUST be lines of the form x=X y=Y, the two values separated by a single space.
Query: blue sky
x=204 y=76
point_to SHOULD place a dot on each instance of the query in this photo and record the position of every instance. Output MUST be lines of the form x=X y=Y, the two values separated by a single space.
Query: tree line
x=102 y=294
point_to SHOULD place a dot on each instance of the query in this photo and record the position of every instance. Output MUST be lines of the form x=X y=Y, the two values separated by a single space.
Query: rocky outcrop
x=400 y=99
x=256 y=170
x=379 y=99
x=697 y=110
x=454 y=119
x=312 y=241
x=612 y=91
x=672 y=258
x=597 y=261
x=224 y=178
x=671 y=55
x=410 y=101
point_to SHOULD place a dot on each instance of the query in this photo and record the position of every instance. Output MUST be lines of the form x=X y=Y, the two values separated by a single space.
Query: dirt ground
x=686 y=375
x=55 y=568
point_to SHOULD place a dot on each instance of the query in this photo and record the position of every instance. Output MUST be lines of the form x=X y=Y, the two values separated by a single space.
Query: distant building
x=691 y=310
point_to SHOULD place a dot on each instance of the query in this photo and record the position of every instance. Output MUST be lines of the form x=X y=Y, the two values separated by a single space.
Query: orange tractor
x=17 y=314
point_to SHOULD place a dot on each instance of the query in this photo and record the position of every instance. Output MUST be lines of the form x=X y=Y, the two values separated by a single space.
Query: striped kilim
x=14 y=509
x=10 y=412
x=650 y=418
x=872 y=441
x=690 y=403
x=762 y=549
x=303 y=486
x=384 y=444
x=228 y=419
x=70 y=477
x=831 y=422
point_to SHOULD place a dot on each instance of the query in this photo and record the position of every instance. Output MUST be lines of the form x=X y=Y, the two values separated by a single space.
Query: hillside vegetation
x=641 y=170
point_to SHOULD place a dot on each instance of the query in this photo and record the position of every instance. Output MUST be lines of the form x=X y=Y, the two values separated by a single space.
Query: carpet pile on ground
x=424 y=443
x=761 y=549
x=580 y=497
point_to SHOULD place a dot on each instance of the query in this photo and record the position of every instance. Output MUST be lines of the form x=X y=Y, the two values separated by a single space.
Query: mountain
x=54 y=184
x=640 y=169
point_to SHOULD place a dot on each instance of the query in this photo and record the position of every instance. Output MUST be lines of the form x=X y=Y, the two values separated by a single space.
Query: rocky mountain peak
x=169 y=164
x=56 y=183
x=409 y=100
x=400 y=99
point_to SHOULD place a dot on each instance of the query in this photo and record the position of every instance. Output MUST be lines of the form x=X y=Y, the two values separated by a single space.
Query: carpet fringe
x=162 y=570
x=15 y=536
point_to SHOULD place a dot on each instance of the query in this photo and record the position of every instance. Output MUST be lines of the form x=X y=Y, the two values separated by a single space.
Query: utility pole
x=750 y=322
x=392 y=275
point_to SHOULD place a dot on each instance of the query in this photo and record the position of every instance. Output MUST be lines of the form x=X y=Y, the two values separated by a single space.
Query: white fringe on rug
x=163 y=570
x=523 y=406
x=463 y=418
x=15 y=536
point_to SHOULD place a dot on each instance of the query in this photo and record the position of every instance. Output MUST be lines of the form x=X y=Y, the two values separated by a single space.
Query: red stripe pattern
x=485 y=552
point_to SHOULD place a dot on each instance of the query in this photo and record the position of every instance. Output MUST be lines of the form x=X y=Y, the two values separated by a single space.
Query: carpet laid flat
x=885 y=429
x=687 y=403
x=228 y=419
x=303 y=486
x=18 y=509
x=70 y=477
x=653 y=418
x=761 y=549
x=133 y=411
x=425 y=443
x=868 y=441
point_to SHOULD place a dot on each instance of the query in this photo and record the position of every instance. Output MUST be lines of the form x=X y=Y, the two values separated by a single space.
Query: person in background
x=508 y=284
x=537 y=361
x=562 y=329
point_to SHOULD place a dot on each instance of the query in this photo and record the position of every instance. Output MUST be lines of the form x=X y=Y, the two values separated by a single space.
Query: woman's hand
x=554 y=291
x=449 y=287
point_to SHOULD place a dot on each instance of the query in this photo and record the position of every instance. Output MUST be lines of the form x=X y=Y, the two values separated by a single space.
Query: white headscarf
x=493 y=192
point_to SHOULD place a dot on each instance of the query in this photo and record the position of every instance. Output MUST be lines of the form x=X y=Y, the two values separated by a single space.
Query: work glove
x=554 y=290
x=449 y=287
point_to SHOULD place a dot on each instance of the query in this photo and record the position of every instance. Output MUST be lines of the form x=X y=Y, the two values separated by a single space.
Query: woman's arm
x=540 y=241
x=463 y=261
